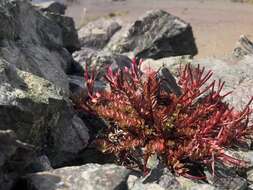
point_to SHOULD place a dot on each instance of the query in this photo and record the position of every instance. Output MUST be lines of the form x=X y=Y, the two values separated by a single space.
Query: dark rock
x=78 y=87
x=40 y=114
x=69 y=33
x=51 y=6
x=157 y=34
x=15 y=156
x=226 y=178
x=33 y=42
x=97 y=34
x=90 y=177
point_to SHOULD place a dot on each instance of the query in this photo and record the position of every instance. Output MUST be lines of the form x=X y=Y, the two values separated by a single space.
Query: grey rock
x=15 y=156
x=155 y=35
x=40 y=114
x=88 y=177
x=171 y=63
x=187 y=184
x=51 y=6
x=33 y=42
x=97 y=34
x=78 y=86
x=69 y=33
x=99 y=60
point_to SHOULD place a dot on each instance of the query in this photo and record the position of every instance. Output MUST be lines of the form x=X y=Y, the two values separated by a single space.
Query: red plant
x=194 y=127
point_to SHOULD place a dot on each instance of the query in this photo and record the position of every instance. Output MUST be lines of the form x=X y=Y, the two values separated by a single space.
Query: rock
x=88 y=177
x=78 y=86
x=243 y=47
x=28 y=49
x=99 y=60
x=226 y=178
x=15 y=156
x=97 y=34
x=40 y=114
x=159 y=179
x=33 y=42
x=157 y=34
x=171 y=63
x=69 y=33
x=51 y=6
x=188 y=184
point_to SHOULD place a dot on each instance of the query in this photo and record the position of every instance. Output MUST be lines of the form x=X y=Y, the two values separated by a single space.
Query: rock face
x=98 y=33
x=40 y=114
x=34 y=42
x=157 y=34
x=15 y=156
x=88 y=177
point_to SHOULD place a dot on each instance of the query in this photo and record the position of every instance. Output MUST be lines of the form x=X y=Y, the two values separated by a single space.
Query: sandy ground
x=217 y=24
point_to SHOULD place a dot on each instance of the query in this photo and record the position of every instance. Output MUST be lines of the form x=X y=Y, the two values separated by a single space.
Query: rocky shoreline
x=46 y=144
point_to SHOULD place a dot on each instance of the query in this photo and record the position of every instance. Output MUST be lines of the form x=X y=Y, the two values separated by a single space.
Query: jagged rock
x=97 y=34
x=157 y=34
x=69 y=33
x=40 y=114
x=51 y=6
x=15 y=156
x=33 y=42
x=99 y=60
x=90 y=177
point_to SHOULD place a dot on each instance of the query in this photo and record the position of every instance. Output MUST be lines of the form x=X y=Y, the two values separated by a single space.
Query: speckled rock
x=40 y=114
x=88 y=177
x=155 y=35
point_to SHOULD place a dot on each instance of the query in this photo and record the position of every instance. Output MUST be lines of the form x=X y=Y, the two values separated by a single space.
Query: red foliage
x=195 y=127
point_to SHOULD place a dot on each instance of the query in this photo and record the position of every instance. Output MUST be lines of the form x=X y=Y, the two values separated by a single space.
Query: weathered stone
x=99 y=60
x=97 y=34
x=69 y=33
x=51 y=6
x=40 y=114
x=88 y=177
x=15 y=156
x=157 y=34
x=33 y=42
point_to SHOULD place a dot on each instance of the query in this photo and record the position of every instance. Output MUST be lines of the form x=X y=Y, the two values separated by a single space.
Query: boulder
x=97 y=34
x=99 y=60
x=51 y=6
x=34 y=42
x=15 y=156
x=40 y=114
x=89 y=176
x=155 y=35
